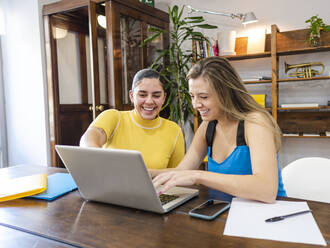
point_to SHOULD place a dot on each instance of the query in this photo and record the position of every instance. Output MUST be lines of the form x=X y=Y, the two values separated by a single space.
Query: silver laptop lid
x=117 y=177
x=111 y=176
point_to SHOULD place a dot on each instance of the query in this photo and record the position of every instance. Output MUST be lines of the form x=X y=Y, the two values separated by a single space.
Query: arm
x=93 y=137
x=100 y=129
x=261 y=185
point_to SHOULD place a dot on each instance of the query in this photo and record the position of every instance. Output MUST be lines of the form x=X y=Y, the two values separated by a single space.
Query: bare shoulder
x=257 y=118
x=258 y=125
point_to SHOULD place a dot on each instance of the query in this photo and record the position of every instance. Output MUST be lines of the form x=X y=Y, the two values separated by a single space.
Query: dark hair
x=147 y=73
x=235 y=100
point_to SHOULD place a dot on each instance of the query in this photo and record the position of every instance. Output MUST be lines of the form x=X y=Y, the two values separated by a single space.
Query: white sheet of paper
x=246 y=218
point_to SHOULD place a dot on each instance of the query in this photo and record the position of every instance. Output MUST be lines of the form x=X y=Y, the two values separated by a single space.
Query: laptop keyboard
x=164 y=198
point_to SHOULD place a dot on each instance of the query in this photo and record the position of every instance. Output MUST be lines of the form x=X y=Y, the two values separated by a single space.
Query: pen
x=278 y=218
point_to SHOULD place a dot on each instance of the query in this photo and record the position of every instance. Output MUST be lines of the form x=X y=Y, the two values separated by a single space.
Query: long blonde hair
x=235 y=101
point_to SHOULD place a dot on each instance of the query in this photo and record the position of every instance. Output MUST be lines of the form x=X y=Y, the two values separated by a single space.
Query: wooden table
x=69 y=221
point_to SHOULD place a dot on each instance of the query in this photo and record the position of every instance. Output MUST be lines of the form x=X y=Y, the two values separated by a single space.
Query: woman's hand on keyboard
x=173 y=178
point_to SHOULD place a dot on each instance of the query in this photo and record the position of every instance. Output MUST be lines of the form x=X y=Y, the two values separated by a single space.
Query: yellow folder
x=15 y=188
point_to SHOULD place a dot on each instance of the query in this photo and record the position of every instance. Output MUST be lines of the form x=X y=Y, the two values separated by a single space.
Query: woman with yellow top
x=159 y=140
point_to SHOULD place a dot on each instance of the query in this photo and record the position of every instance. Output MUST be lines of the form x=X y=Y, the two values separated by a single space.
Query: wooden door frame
x=51 y=21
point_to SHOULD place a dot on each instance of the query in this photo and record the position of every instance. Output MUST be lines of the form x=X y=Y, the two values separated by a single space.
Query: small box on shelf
x=241 y=44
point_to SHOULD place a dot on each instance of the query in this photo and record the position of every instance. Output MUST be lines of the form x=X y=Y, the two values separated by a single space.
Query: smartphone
x=209 y=209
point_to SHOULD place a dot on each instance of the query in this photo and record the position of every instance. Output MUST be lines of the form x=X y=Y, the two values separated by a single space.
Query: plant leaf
x=150 y=39
x=206 y=26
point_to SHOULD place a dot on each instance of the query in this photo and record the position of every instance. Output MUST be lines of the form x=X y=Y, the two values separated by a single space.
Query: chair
x=308 y=178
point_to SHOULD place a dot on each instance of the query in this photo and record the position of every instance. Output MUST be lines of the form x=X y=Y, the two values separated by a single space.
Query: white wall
x=3 y=134
x=287 y=15
x=24 y=84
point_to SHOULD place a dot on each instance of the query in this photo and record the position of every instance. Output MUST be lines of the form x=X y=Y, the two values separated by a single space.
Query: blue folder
x=57 y=184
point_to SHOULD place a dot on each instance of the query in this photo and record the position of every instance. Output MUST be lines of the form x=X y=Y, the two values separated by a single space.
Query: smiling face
x=204 y=99
x=148 y=98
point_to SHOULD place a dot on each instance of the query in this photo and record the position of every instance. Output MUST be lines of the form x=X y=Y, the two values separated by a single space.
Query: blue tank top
x=239 y=161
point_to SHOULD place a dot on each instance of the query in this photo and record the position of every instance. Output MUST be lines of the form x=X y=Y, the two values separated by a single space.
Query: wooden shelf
x=287 y=80
x=258 y=82
x=304 y=50
x=303 y=79
x=306 y=108
x=306 y=137
x=248 y=56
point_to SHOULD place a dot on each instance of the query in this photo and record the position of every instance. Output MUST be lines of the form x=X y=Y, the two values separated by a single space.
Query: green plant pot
x=315 y=40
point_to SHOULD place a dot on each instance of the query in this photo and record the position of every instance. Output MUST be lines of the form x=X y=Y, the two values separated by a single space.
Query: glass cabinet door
x=154 y=47
x=131 y=52
x=128 y=27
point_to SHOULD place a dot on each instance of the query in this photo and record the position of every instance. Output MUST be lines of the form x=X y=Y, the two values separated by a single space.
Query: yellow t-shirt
x=160 y=141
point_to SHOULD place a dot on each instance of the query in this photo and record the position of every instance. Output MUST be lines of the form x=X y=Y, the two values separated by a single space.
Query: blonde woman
x=240 y=138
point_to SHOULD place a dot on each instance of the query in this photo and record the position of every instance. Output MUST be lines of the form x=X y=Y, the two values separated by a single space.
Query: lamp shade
x=249 y=18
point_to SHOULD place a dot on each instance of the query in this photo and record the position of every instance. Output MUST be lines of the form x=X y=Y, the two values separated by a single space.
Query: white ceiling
x=286 y=14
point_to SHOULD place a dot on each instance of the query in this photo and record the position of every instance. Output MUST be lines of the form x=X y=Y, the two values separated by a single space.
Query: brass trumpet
x=304 y=70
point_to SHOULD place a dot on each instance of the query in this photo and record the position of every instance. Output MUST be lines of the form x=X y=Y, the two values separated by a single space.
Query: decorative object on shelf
x=227 y=39
x=304 y=70
x=148 y=2
x=316 y=26
x=246 y=18
x=260 y=98
x=179 y=60
x=241 y=44
x=215 y=47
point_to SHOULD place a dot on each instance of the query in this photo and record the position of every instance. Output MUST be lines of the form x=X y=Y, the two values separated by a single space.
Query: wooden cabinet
x=89 y=67
x=309 y=120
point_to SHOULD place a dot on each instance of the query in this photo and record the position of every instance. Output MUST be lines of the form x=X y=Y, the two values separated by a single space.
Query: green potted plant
x=316 y=26
x=178 y=60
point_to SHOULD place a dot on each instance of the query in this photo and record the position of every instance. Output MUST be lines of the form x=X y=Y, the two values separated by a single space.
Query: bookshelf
x=307 y=120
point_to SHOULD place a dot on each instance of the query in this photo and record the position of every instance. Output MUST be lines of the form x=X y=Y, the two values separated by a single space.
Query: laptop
x=118 y=177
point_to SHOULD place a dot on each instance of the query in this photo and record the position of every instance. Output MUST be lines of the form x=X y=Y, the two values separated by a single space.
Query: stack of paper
x=290 y=134
x=247 y=219
x=299 y=105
